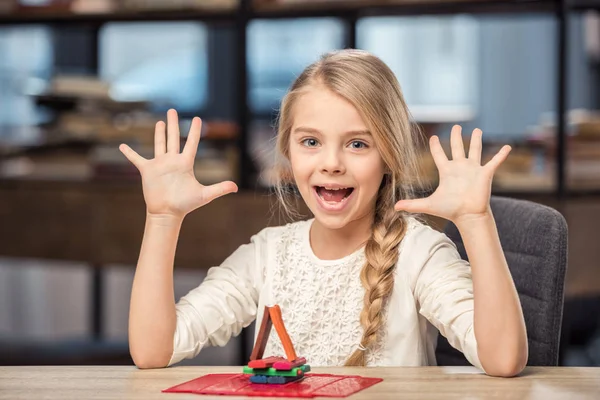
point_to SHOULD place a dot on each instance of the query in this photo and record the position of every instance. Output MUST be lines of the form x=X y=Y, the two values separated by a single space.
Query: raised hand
x=169 y=184
x=465 y=185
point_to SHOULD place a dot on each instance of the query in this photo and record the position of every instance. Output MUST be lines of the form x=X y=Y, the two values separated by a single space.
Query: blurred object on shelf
x=85 y=109
x=523 y=182
x=583 y=151
x=211 y=165
x=94 y=6
x=81 y=160
x=592 y=34
x=442 y=114
x=220 y=130
x=582 y=169
x=314 y=3
x=50 y=6
x=587 y=128
x=65 y=161
x=79 y=85
x=108 y=6
x=7 y=6
x=179 y=4
x=526 y=169
x=82 y=139
x=269 y=5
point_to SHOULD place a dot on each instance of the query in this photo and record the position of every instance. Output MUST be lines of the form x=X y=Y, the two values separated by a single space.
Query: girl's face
x=336 y=166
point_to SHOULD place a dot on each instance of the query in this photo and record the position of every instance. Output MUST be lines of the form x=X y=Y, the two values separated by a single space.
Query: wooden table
x=119 y=382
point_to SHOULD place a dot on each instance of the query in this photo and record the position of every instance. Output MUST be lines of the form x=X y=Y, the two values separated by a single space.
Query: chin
x=332 y=222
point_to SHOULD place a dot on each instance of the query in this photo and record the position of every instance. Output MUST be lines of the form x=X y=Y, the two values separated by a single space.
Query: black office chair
x=534 y=239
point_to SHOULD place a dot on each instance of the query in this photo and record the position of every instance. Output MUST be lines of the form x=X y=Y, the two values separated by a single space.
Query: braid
x=377 y=275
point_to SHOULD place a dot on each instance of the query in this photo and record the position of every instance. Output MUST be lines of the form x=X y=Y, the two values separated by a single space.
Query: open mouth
x=334 y=195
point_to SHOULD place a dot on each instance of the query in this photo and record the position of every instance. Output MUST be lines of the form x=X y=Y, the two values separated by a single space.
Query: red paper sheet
x=313 y=385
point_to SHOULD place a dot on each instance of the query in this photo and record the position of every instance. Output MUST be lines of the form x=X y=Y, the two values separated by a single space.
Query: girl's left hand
x=464 y=184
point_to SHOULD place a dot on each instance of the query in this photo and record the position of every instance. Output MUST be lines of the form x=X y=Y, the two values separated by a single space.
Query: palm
x=464 y=186
x=169 y=184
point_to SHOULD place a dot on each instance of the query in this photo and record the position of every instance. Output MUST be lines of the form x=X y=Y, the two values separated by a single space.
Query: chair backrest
x=534 y=240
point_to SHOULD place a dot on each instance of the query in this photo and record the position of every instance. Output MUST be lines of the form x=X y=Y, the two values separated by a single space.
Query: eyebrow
x=305 y=129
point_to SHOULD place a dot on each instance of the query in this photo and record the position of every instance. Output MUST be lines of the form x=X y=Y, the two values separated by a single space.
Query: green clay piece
x=273 y=372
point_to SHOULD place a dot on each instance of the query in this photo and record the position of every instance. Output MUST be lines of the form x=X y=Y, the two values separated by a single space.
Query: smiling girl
x=363 y=282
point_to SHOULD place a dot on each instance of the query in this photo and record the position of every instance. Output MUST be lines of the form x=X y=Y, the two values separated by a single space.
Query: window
x=279 y=50
x=164 y=63
x=434 y=58
x=23 y=73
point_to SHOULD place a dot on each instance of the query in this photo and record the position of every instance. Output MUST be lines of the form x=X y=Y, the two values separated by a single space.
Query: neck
x=332 y=244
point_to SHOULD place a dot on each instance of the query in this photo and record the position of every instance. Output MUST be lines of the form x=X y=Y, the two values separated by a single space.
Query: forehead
x=321 y=109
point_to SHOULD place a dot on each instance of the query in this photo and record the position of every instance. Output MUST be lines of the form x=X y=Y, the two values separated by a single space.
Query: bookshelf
x=348 y=11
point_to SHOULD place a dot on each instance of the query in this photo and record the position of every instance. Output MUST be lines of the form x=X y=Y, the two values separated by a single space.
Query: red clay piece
x=285 y=365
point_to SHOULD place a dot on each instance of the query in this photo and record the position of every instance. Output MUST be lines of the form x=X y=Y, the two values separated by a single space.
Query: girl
x=363 y=282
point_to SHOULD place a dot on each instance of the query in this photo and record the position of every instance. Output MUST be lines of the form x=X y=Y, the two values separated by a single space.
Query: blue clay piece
x=281 y=380
x=258 y=379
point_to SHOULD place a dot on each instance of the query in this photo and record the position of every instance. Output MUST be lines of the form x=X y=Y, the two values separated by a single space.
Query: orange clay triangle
x=272 y=317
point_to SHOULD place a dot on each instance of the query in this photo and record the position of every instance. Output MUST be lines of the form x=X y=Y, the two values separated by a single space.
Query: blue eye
x=357 y=144
x=310 y=142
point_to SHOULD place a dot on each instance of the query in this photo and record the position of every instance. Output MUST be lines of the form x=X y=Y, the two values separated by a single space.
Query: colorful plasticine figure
x=275 y=370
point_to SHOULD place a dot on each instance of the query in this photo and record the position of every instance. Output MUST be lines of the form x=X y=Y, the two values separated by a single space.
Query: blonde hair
x=368 y=83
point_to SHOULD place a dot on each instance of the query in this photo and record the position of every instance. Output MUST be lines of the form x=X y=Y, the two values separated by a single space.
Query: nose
x=332 y=163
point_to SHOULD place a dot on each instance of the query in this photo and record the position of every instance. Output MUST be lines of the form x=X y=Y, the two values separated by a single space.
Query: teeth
x=332 y=202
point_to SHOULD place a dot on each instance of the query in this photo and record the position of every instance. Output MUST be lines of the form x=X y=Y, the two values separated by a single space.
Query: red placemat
x=313 y=385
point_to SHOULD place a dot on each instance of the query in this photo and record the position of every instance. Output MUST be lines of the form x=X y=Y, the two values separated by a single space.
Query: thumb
x=132 y=156
x=413 y=206
x=211 y=192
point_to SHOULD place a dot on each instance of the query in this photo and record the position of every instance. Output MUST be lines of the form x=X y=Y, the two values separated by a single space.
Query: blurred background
x=79 y=77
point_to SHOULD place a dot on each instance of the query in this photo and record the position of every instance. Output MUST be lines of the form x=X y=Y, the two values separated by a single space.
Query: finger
x=475 y=146
x=132 y=156
x=414 y=206
x=437 y=151
x=456 y=142
x=173 y=136
x=160 y=140
x=217 y=190
x=191 y=145
x=499 y=158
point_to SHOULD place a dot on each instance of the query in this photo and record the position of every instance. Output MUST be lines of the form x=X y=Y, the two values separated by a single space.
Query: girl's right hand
x=169 y=184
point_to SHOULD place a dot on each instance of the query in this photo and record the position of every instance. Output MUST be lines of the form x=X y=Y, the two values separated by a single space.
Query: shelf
x=50 y=17
x=584 y=5
x=218 y=132
x=576 y=193
x=364 y=8
x=273 y=9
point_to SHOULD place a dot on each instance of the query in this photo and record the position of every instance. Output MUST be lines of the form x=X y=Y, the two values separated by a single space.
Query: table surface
x=123 y=382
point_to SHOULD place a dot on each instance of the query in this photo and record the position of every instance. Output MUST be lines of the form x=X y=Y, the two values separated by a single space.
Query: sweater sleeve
x=224 y=303
x=444 y=291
